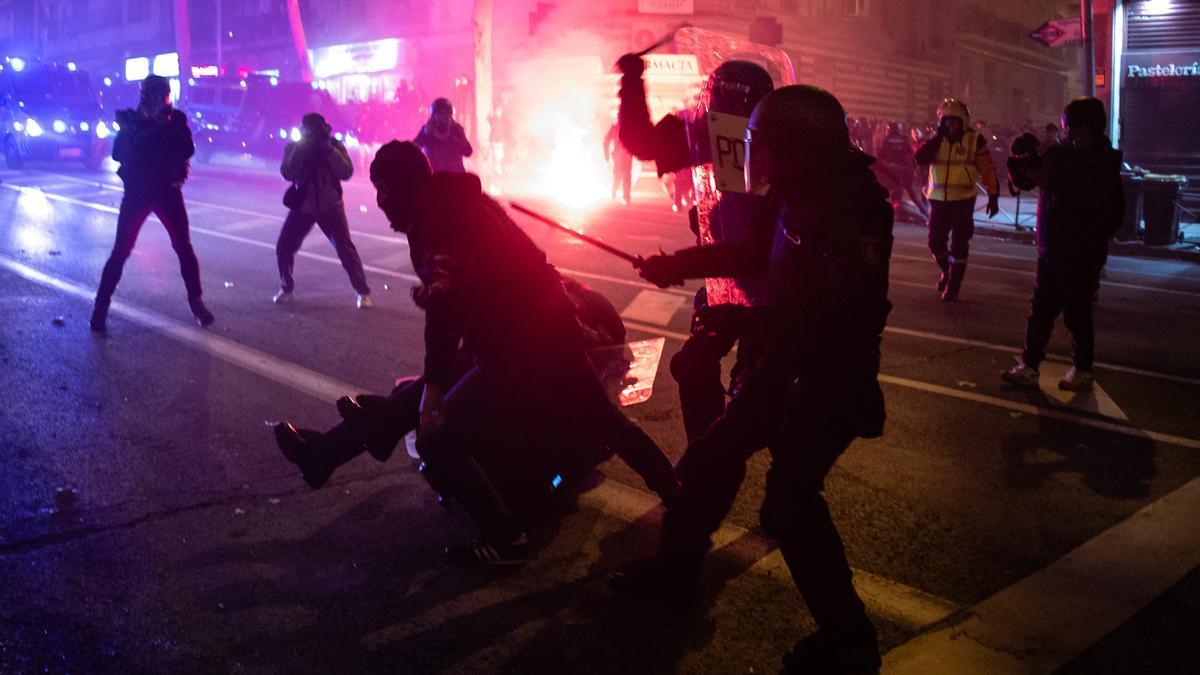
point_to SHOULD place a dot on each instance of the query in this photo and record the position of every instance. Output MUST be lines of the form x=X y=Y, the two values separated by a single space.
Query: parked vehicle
x=51 y=112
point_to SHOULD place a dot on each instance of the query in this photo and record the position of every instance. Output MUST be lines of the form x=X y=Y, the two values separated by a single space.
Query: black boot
x=957 y=271
x=203 y=316
x=943 y=264
x=379 y=444
x=295 y=448
x=100 y=315
x=853 y=652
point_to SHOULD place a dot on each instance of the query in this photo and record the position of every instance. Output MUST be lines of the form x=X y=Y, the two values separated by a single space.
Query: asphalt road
x=148 y=522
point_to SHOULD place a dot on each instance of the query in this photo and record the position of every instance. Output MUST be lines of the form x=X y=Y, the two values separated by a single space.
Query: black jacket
x=484 y=281
x=1081 y=202
x=153 y=153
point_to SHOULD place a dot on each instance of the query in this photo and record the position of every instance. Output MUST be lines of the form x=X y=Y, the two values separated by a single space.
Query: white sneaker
x=1077 y=380
x=1021 y=375
x=283 y=297
x=364 y=302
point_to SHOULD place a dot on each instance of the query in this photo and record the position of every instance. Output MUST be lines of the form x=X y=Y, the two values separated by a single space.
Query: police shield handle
x=727 y=139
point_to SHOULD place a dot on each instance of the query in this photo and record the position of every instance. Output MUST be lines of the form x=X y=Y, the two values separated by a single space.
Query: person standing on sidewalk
x=958 y=158
x=153 y=147
x=1081 y=204
x=316 y=165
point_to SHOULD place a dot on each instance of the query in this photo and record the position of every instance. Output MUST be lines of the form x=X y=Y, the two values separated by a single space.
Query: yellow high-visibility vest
x=953 y=172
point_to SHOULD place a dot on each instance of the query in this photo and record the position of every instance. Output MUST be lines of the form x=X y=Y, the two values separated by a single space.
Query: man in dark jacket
x=443 y=140
x=487 y=286
x=316 y=166
x=153 y=147
x=807 y=373
x=1081 y=203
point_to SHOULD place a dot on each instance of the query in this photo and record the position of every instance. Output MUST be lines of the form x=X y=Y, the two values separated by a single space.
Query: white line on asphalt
x=654 y=307
x=626 y=503
x=1030 y=409
x=1048 y=618
x=1030 y=273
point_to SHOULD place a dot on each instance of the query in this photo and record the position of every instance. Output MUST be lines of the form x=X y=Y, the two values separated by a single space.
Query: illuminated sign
x=666 y=7
x=1160 y=70
x=205 y=71
x=362 y=57
x=137 y=68
x=672 y=64
x=166 y=65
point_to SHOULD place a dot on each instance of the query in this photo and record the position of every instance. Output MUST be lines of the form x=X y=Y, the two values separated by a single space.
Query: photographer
x=443 y=140
x=153 y=147
x=957 y=158
x=1081 y=204
x=316 y=166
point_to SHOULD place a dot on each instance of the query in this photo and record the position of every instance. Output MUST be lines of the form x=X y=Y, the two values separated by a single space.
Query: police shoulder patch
x=869 y=248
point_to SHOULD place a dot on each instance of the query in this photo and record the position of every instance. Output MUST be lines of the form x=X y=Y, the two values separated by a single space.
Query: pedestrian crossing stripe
x=653 y=307
x=1096 y=401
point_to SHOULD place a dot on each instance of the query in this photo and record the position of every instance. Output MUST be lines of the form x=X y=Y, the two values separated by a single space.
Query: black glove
x=993 y=205
x=631 y=65
x=660 y=270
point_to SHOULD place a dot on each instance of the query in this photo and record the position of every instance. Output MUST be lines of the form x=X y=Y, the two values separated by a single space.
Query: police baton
x=660 y=42
x=632 y=259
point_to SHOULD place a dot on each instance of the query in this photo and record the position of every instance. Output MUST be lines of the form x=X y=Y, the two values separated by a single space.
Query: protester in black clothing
x=487 y=286
x=807 y=371
x=153 y=147
x=316 y=165
x=622 y=165
x=1081 y=204
x=443 y=140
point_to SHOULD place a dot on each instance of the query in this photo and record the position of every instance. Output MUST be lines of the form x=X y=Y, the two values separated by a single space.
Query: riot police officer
x=723 y=211
x=807 y=383
x=153 y=147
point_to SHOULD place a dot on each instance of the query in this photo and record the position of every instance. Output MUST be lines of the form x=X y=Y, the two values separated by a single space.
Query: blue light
x=556 y=481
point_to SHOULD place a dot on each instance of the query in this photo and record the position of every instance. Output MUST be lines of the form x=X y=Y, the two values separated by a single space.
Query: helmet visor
x=757 y=165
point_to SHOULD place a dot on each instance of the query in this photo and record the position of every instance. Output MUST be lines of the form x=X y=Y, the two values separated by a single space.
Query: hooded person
x=443 y=140
x=1081 y=204
x=807 y=383
x=485 y=284
x=153 y=146
x=316 y=165
x=958 y=159
x=706 y=142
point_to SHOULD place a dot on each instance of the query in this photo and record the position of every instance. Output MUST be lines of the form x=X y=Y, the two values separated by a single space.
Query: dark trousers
x=697 y=370
x=1068 y=290
x=953 y=221
x=622 y=176
x=333 y=224
x=136 y=206
x=806 y=430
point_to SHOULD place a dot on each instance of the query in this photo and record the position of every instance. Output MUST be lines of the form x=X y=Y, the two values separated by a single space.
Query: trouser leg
x=134 y=210
x=796 y=515
x=336 y=228
x=1047 y=303
x=712 y=469
x=940 y=223
x=1077 y=316
x=291 y=236
x=697 y=370
x=452 y=470
x=171 y=210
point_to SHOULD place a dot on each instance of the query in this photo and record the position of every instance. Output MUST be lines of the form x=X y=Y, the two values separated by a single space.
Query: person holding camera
x=443 y=140
x=1081 y=204
x=316 y=165
x=958 y=158
x=153 y=146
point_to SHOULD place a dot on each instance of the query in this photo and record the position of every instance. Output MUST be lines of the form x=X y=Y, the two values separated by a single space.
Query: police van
x=255 y=115
x=51 y=112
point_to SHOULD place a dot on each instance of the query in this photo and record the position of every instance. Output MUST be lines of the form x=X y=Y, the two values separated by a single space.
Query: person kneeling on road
x=1081 y=204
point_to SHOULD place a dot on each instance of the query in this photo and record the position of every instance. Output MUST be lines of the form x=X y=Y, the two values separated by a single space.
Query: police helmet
x=1085 y=111
x=735 y=87
x=952 y=107
x=794 y=131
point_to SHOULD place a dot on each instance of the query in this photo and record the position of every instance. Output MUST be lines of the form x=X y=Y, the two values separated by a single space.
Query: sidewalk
x=1018 y=217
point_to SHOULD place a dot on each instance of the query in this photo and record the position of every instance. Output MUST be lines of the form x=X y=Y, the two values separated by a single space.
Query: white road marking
x=1043 y=621
x=1030 y=273
x=654 y=307
x=249 y=224
x=625 y=503
x=1095 y=401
